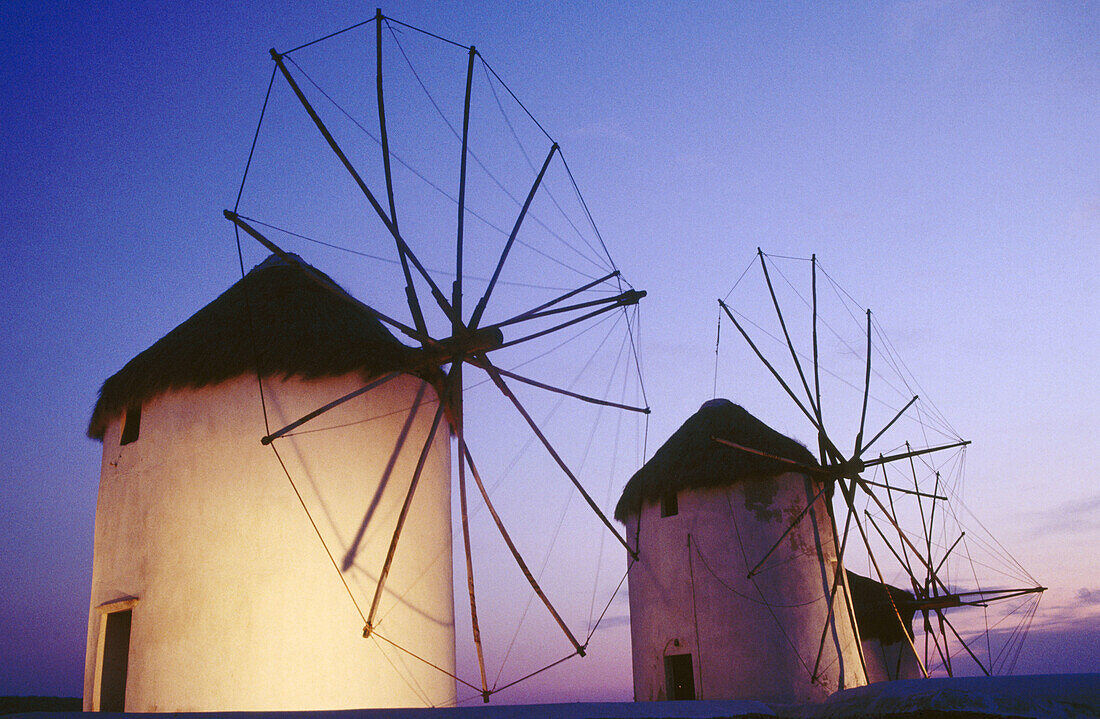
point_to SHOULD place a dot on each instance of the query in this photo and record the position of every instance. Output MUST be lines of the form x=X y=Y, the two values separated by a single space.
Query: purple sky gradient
x=941 y=158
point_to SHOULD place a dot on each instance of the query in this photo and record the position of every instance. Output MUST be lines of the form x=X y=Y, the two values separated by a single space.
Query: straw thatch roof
x=692 y=459
x=875 y=609
x=275 y=317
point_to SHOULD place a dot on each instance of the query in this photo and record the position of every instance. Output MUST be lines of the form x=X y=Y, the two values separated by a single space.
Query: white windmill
x=320 y=487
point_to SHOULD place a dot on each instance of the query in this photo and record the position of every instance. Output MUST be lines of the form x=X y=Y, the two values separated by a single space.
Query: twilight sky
x=941 y=159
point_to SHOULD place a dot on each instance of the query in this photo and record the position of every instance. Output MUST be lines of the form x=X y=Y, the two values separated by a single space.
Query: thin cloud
x=1087 y=597
x=1074 y=516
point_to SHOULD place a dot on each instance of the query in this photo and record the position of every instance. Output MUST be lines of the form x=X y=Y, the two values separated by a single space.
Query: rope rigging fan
x=411 y=180
x=900 y=484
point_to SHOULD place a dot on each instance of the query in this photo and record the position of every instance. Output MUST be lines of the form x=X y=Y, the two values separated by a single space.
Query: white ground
x=1049 y=696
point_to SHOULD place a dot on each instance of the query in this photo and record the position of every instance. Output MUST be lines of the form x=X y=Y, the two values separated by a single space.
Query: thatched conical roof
x=274 y=317
x=692 y=459
x=878 y=607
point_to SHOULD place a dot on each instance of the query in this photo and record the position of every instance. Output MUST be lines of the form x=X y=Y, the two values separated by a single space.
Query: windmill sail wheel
x=402 y=164
x=895 y=466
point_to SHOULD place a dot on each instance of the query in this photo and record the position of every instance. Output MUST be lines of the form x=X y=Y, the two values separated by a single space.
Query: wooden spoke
x=318 y=279
x=931 y=514
x=866 y=390
x=551 y=388
x=538 y=311
x=817 y=372
x=401 y=245
x=465 y=450
x=830 y=615
x=630 y=297
x=914 y=453
x=331 y=405
x=796 y=465
x=410 y=289
x=915 y=493
x=791 y=526
x=849 y=498
x=950 y=549
x=457 y=424
x=864 y=448
x=456 y=301
x=528 y=316
x=778 y=377
x=498 y=380
x=894 y=520
x=401 y=521
x=929 y=631
x=512 y=237
x=787 y=336
x=925 y=561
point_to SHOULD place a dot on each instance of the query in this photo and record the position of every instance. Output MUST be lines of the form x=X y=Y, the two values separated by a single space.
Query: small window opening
x=131 y=425
x=679 y=677
x=669 y=505
x=116 y=653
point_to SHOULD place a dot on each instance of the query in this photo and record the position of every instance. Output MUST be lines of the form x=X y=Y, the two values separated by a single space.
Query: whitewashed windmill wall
x=702 y=514
x=232 y=601
x=884 y=614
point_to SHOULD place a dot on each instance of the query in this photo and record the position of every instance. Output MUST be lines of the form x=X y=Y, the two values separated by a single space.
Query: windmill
x=896 y=490
x=534 y=304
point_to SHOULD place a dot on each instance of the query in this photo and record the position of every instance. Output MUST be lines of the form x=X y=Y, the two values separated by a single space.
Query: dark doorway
x=679 y=677
x=116 y=653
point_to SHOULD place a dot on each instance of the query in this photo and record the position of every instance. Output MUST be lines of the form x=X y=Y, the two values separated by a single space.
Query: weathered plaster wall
x=749 y=639
x=238 y=606
x=887 y=662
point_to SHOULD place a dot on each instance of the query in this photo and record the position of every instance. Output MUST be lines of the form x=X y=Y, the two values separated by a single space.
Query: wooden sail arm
x=480 y=309
x=954 y=631
x=860 y=450
x=401 y=517
x=475 y=361
x=475 y=627
x=331 y=405
x=849 y=498
x=782 y=383
x=321 y=281
x=866 y=390
x=787 y=337
x=559 y=299
x=926 y=562
x=840 y=579
x=913 y=492
x=623 y=298
x=469 y=459
x=981 y=597
x=860 y=465
x=456 y=287
x=401 y=244
x=808 y=468
x=410 y=289
x=498 y=380
x=630 y=297
x=830 y=471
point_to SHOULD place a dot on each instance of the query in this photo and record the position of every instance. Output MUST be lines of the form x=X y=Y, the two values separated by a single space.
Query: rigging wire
x=252 y=149
x=442 y=191
x=496 y=181
x=531 y=164
x=626 y=314
x=390 y=261
x=569 y=499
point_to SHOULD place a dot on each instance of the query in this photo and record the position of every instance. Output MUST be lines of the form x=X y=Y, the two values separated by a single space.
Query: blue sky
x=941 y=158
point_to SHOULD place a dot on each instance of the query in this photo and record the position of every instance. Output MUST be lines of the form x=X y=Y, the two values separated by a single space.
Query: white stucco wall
x=238 y=606
x=888 y=662
x=749 y=639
